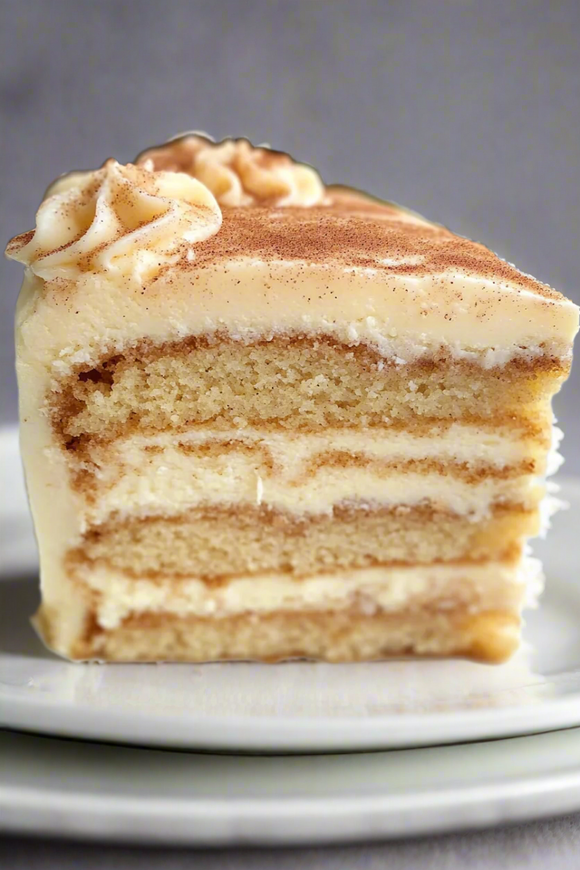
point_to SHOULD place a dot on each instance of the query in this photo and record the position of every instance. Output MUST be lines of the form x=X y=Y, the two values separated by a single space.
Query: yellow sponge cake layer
x=334 y=636
x=293 y=382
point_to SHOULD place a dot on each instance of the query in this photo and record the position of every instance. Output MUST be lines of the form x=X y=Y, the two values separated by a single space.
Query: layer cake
x=265 y=418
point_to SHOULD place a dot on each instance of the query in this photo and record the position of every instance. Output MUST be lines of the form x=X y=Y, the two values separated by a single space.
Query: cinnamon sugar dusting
x=355 y=231
x=274 y=209
x=341 y=226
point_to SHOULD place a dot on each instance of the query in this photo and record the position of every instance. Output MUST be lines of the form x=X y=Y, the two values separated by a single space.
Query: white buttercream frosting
x=117 y=220
x=237 y=173
x=146 y=255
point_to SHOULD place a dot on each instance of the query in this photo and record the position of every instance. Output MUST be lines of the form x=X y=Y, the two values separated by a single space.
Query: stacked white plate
x=379 y=730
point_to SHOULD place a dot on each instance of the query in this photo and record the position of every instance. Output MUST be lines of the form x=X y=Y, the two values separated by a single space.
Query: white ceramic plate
x=294 y=707
x=67 y=788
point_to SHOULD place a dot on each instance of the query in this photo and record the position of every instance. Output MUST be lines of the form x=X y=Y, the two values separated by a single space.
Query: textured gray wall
x=468 y=112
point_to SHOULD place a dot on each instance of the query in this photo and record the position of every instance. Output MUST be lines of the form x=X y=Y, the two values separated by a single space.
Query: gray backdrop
x=468 y=112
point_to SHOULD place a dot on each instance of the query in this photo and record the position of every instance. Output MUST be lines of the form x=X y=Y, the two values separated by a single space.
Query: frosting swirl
x=123 y=219
x=237 y=173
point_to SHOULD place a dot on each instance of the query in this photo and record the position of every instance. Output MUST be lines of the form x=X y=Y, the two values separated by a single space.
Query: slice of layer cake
x=263 y=418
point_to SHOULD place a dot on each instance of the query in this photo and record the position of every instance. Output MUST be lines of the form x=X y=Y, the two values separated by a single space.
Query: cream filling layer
x=494 y=585
x=310 y=473
x=460 y=443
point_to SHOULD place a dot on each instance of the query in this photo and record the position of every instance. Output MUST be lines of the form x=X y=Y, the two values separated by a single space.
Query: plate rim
x=269 y=735
x=294 y=820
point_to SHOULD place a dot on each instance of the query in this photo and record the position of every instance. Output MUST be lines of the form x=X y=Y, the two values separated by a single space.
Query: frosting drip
x=237 y=173
x=123 y=219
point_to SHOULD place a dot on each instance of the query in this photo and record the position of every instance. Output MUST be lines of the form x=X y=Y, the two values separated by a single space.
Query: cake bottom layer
x=340 y=636
x=439 y=609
